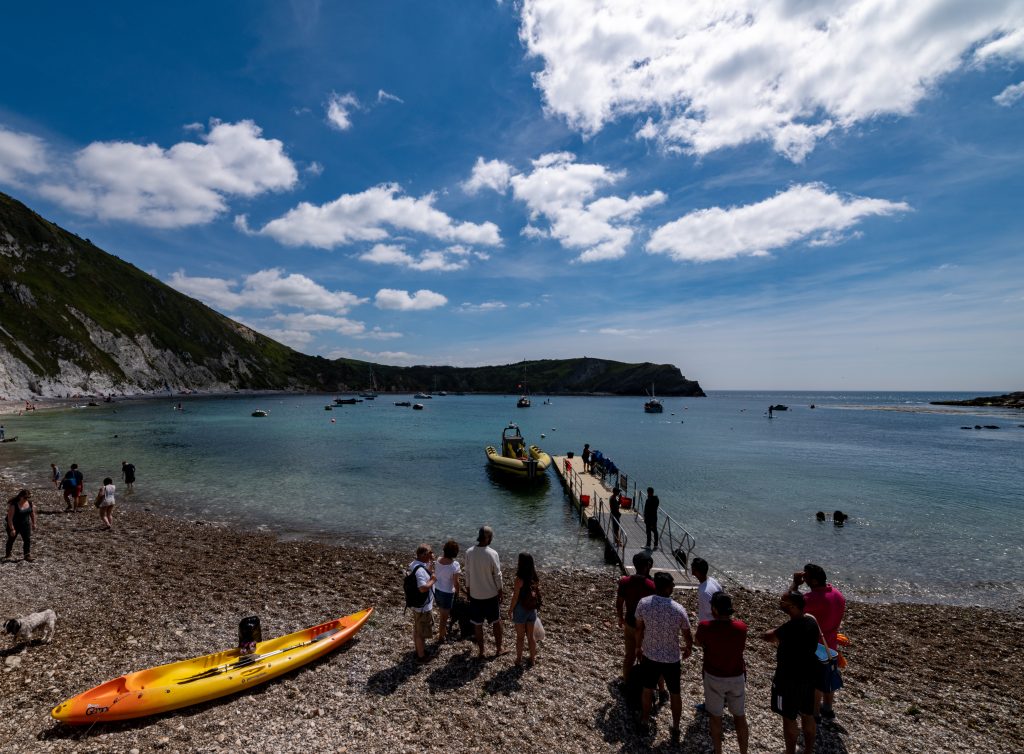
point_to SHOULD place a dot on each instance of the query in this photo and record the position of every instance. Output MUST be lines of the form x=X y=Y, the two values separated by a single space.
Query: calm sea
x=936 y=510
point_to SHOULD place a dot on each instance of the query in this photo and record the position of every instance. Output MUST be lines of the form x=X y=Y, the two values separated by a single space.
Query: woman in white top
x=105 y=502
x=447 y=571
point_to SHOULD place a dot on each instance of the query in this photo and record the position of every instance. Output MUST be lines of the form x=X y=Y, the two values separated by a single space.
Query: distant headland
x=1010 y=400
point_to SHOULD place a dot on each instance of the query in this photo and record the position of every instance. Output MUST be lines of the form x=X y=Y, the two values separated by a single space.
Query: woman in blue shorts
x=525 y=603
x=446 y=571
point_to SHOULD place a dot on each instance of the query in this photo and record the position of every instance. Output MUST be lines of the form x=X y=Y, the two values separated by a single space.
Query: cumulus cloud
x=320 y=322
x=187 y=184
x=266 y=289
x=485 y=306
x=383 y=96
x=1011 y=95
x=368 y=216
x=561 y=191
x=339 y=110
x=492 y=174
x=389 y=298
x=377 y=333
x=436 y=261
x=712 y=74
x=808 y=212
x=21 y=154
x=380 y=357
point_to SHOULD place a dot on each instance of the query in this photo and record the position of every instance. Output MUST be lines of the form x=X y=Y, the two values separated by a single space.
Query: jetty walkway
x=589 y=493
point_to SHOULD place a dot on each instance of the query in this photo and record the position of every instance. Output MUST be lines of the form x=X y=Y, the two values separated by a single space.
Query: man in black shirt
x=795 y=671
x=651 y=517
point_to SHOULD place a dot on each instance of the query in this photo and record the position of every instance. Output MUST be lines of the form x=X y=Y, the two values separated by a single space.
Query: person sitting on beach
x=631 y=590
x=828 y=606
x=423 y=616
x=21 y=520
x=796 y=670
x=705 y=589
x=446 y=590
x=723 y=639
x=524 y=605
x=70 y=486
x=585 y=455
x=659 y=622
x=128 y=474
x=105 y=502
x=55 y=476
x=485 y=590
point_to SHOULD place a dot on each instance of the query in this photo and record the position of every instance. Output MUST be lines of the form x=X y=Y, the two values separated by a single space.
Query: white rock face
x=146 y=369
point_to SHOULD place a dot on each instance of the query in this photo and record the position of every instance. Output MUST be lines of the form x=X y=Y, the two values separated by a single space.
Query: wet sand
x=922 y=678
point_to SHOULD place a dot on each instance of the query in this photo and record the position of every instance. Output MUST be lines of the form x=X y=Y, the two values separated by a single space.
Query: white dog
x=23 y=628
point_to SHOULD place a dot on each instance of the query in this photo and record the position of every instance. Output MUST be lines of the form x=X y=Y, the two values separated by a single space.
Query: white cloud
x=320 y=322
x=1011 y=95
x=314 y=168
x=389 y=298
x=378 y=334
x=806 y=212
x=561 y=191
x=383 y=96
x=492 y=174
x=379 y=357
x=339 y=109
x=367 y=216
x=297 y=339
x=486 y=306
x=712 y=74
x=186 y=184
x=21 y=153
x=427 y=261
x=266 y=289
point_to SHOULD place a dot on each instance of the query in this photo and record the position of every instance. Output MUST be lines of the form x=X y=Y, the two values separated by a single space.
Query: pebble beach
x=921 y=678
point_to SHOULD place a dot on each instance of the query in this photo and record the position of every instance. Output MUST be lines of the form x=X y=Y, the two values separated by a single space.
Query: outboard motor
x=249 y=635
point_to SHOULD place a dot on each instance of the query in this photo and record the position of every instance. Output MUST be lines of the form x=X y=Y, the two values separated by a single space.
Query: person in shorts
x=724 y=639
x=631 y=590
x=828 y=606
x=484 y=587
x=70 y=486
x=446 y=571
x=796 y=671
x=659 y=622
x=423 y=617
x=524 y=605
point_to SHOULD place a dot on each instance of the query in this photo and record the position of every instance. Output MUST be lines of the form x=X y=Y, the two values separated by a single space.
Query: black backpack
x=413 y=596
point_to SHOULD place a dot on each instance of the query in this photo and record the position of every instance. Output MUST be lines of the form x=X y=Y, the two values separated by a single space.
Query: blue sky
x=772 y=195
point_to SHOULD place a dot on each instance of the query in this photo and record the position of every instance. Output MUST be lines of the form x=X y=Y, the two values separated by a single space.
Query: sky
x=786 y=194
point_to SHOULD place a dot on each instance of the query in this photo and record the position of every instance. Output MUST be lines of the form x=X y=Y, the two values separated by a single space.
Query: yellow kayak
x=188 y=682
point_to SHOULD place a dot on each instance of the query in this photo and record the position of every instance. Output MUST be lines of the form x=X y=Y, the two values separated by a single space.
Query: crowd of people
x=657 y=634
x=20 y=518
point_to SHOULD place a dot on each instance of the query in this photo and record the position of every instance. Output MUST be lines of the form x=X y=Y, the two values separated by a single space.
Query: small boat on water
x=347 y=401
x=523 y=402
x=442 y=392
x=403 y=403
x=260 y=412
x=653 y=406
x=417 y=407
x=515 y=458
x=182 y=684
x=423 y=396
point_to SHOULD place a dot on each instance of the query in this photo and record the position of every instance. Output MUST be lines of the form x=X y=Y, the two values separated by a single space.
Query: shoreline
x=926 y=678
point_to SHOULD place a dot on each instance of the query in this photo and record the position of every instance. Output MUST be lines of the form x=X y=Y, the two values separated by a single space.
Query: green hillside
x=77 y=320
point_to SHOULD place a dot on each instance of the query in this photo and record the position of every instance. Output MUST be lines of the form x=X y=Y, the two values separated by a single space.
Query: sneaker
x=29 y=559
x=827 y=713
x=674 y=733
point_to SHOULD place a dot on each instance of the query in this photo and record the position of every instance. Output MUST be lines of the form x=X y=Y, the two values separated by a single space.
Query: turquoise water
x=936 y=510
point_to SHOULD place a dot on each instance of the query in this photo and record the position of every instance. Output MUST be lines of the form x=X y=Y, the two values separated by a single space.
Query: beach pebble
x=12 y=662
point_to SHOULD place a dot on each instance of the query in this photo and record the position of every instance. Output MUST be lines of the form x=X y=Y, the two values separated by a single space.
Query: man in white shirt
x=423 y=617
x=659 y=622
x=708 y=586
x=484 y=587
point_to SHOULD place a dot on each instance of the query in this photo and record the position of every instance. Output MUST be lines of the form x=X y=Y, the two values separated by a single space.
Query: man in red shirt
x=632 y=589
x=827 y=605
x=724 y=640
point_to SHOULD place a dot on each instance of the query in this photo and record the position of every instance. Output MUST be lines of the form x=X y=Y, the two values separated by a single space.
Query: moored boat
x=417 y=406
x=653 y=406
x=516 y=458
x=260 y=412
x=523 y=402
x=182 y=684
x=403 y=403
x=423 y=396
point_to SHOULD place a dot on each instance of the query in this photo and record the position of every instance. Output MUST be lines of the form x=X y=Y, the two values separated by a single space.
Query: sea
x=936 y=505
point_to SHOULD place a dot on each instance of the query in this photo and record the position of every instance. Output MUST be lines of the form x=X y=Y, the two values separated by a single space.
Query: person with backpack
x=419 y=595
x=524 y=606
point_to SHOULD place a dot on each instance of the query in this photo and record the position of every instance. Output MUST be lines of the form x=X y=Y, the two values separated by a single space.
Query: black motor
x=249 y=634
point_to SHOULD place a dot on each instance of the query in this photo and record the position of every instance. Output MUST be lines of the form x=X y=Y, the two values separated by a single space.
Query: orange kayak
x=188 y=682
